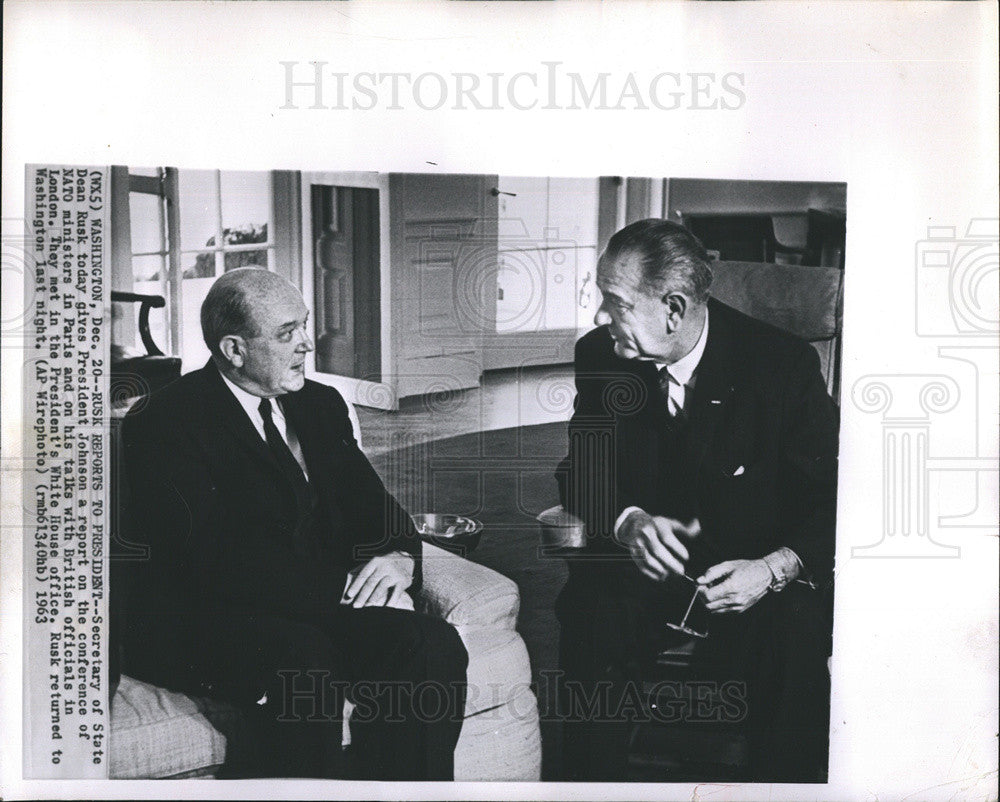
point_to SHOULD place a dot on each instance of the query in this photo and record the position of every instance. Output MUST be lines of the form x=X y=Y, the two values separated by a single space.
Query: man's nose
x=304 y=344
x=602 y=318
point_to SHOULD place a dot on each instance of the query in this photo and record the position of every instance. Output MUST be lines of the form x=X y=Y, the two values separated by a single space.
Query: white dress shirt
x=250 y=404
x=683 y=374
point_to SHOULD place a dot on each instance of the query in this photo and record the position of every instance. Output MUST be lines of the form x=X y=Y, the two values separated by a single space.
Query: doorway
x=347 y=283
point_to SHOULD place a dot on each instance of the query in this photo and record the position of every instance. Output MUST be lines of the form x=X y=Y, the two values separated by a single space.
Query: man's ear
x=677 y=306
x=233 y=349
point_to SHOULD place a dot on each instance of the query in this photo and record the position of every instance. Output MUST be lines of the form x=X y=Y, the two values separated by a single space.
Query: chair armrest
x=781 y=248
x=562 y=529
x=464 y=593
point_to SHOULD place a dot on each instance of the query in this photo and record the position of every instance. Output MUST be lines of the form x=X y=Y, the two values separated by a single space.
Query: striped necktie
x=673 y=390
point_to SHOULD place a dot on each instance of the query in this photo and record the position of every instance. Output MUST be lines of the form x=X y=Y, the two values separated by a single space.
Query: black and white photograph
x=245 y=579
x=438 y=405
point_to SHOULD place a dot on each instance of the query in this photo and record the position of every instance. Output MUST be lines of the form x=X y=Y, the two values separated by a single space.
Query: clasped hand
x=381 y=582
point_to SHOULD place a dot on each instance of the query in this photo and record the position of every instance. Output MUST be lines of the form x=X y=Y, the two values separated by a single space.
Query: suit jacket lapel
x=226 y=409
x=713 y=388
x=307 y=431
x=320 y=450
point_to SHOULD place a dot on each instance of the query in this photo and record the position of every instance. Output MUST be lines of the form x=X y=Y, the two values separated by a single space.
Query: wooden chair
x=136 y=376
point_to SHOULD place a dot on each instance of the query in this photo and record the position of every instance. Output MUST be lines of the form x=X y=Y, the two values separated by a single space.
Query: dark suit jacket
x=218 y=513
x=762 y=443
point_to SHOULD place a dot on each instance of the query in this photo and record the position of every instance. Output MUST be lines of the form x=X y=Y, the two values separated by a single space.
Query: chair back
x=805 y=301
x=735 y=236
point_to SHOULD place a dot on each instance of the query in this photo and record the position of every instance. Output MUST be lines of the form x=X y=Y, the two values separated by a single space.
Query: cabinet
x=547 y=248
x=474 y=272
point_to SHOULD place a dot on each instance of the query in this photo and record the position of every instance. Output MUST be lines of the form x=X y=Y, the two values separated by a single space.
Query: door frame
x=380 y=395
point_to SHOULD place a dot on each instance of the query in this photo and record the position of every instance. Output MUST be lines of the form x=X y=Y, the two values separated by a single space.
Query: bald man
x=280 y=568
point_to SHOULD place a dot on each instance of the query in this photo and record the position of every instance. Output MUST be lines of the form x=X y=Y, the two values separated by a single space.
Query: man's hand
x=654 y=543
x=381 y=582
x=735 y=586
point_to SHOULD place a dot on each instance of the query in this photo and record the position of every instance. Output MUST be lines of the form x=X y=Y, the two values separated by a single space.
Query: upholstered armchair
x=804 y=300
x=156 y=733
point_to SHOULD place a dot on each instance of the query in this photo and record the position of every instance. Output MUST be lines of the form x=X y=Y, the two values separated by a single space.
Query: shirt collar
x=250 y=403
x=683 y=369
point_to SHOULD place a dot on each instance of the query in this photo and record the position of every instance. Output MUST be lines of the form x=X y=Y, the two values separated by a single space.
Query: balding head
x=234 y=303
x=255 y=323
x=654 y=279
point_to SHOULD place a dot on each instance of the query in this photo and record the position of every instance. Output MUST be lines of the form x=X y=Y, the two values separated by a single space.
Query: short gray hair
x=671 y=257
x=228 y=307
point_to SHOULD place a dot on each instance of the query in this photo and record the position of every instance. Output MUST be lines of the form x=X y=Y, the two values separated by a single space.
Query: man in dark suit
x=279 y=568
x=702 y=460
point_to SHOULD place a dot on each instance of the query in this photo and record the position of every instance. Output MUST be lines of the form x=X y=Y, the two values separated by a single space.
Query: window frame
x=281 y=245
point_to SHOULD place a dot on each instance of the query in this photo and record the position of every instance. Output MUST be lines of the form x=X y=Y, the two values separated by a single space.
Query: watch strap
x=780 y=576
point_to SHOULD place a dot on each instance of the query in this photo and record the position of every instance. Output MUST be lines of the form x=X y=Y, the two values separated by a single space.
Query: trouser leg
x=405 y=671
x=790 y=690
x=407 y=679
x=777 y=653
x=298 y=720
x=282 y=676
x=599 y=690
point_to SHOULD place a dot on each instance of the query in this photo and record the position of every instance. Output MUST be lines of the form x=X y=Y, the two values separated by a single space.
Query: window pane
x=246 y=206
x=198 y=201
x=198 y=265
x=150 y=172
x=148 y=268
x=146 y=222
x=194 y=352
x=246 y=259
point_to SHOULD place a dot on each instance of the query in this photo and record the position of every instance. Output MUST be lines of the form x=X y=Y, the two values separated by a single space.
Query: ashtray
x=456 y=533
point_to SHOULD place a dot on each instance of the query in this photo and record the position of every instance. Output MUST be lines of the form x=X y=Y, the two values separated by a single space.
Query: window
x=190 y=226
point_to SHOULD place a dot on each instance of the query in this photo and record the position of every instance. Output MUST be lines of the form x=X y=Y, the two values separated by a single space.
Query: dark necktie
x=279 y=448
x=315 y=520
x=673 y=392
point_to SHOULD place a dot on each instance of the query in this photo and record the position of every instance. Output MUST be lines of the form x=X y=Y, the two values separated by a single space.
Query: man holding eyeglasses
x=702 y=459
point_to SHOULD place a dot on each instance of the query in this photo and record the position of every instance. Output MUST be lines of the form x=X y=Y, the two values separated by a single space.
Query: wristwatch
x=779 y=572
